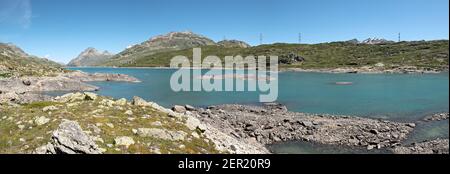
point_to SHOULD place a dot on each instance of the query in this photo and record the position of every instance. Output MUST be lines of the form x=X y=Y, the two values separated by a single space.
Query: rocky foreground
x=273 y=123
x=89 y=124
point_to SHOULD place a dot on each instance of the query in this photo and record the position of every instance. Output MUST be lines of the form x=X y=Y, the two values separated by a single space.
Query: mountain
x=233 y=43
x=14 y=62
x=169 y=42
x=370 y=41
x=90 y=57
x=424 y=54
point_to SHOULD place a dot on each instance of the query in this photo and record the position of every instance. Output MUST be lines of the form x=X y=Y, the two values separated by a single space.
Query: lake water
x=389 y=96
x=400 y=97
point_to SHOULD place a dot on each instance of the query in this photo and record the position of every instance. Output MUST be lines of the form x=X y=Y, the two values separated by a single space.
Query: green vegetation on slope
x=16 y=63
x=102 y=118
x=422 y=54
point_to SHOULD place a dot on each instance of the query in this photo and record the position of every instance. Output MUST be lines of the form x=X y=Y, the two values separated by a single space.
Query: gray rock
x=179 y=109
x=437 y=117
x=438 y=146
x=189 y=108
x=137 y=101
x=123 y=141
x=41 y=120
x=69 y=138
x=161 y=134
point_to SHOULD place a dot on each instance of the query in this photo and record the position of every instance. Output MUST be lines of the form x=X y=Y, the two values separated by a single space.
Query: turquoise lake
x=390 y=96
x=400 y=97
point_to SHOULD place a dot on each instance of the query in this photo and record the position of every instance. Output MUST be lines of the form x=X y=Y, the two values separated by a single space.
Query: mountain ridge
x=90 y=57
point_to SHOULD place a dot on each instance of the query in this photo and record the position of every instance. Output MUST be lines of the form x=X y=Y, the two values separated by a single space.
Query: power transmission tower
x=260 y=38
x=299 y=38
x=399 y=37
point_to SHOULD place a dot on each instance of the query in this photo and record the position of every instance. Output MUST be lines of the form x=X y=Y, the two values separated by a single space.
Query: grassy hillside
x=16 y=63
x=102 y=118
x=422 y=54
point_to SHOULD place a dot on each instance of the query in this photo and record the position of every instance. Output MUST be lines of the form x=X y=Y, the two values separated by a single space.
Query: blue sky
x=61 y=29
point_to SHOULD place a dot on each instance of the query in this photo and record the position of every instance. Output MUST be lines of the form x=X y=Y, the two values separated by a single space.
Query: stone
x=161 y=134
x=121 y=102
x=110 y=125
x=129 y=112
x=123 y=141
x=177 y=135
x=134 y=131
x=373 y=131
x=379 y=64
x=189 y=108
x=195 y=124
x=26 y=82
x=307 y=123
x=69 y=138
x=156 y=123
x=137 y=101
x=49 y=108
x=154 y=132
x=41 y=120
x=179 y=109
x=90 y=96
x=412 y=125
x=71 y=97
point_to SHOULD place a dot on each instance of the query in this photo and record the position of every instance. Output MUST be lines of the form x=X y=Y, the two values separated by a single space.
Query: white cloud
x=17 y=12
x=47 y=56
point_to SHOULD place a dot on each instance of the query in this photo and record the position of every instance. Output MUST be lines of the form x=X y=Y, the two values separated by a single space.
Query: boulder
x=161 y=134
x=137 y=101
x=189 y=108
x=179 y=109
x=90 y=96
x=69 y=138
x=121 y=102
x=26 y=82
x=123 y=141
x=49 y=108
x=41 y=120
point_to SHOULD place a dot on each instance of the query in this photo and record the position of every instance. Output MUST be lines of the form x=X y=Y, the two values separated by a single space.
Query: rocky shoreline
x=26 y=89
x=265 y=125
x=372 y=70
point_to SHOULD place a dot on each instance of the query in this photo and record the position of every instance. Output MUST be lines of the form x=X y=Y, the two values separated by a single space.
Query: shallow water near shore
x=398 y=97
x=300 y=147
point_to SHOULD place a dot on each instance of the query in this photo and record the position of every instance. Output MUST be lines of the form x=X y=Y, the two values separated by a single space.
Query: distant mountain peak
x=167 y=42
x=90 y=57
x=233 y=43
x=376 y=41
x=370 y=41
